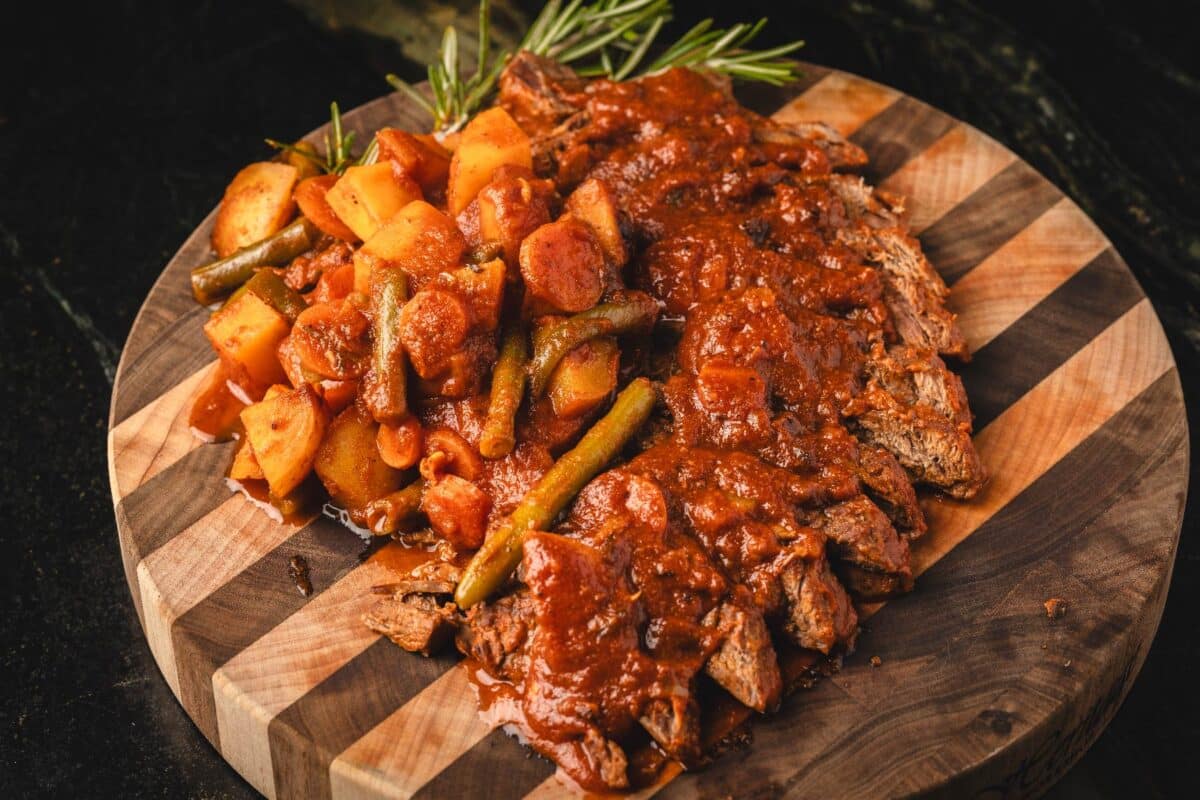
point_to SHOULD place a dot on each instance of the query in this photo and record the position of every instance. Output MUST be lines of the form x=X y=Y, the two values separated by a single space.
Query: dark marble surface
x=121 y=122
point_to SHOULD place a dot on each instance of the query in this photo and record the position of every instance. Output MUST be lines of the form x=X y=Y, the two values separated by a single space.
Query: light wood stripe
x=1060 y=325
x=899 y=133
x=947 y=173
x=134 y=459
x=285 y=664
x=993 y=214
x=1053 y=248
x=197 y=562
x=843 y=101
x=406 y=750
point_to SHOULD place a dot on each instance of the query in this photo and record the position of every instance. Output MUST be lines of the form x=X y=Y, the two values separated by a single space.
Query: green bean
x=636 y=311
x=387 y=391
x=271 y=289
x=501 y=553
x=213 y=281
x=508 y=384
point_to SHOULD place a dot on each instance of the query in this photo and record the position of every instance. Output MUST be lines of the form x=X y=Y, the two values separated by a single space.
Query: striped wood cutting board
x=1079 y=416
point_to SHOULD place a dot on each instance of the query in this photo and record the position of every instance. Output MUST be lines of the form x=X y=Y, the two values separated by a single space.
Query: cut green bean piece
x=637 y=311
x=387 y=389
x=501 y=553
x=213 y=281
x=508 y=384
x=271 y=289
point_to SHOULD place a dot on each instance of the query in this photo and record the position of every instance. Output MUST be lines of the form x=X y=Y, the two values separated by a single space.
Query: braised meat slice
x=745 y=664
x=914 y=291
x=415 y=618
x=915 y=408
x=886 y=482
x=495 y=634
x=820 y=615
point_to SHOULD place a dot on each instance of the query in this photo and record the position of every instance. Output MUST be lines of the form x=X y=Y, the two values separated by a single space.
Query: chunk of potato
x=482 y=287
x=593 y=204
x=245 y=465
x=585 y=378
x=246 y=332
x=419 y=239
x=368 y=196
x=311 y=197
x=257 y=203
x=348 y=461
x=285 y=432
x=490 y=141
x=420 y=157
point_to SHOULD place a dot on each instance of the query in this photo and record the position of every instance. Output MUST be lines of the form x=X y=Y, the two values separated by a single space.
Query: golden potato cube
x=246 y=333
x=420 y=240
x=585 y=378
x=366 y=197
x=489 y=141
x=257 y=203
x=593 y=204
x=348 y=462
x=245 y=465
x=285 y=432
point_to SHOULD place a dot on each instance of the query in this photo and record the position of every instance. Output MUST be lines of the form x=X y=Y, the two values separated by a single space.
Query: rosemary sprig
x=337 y=157
x=609 y=38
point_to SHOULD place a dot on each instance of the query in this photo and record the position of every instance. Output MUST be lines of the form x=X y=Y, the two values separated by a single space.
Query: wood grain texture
x=1080 y=421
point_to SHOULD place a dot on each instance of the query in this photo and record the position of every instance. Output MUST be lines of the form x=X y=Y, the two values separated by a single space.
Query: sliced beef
x=916 y=409
x=861 y=534
x=933 y=450
x=495 y=634
x=886 y=482
x=745 y=664
x=538 y=92
x=820 y=615
x=674 y=723
x=914 y=291
x=841 y=152
x=871 y=586
x=417 y=621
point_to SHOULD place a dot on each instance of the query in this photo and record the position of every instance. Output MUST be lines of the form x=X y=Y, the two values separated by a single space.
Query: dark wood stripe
x=176 y=351
x=251 y=604
x=992 y=625
x=766 y=99
x=308 y=735
x=901 y=131
x=497 y=766
x=172 y=501
x=993 y=214
x=1047 y=335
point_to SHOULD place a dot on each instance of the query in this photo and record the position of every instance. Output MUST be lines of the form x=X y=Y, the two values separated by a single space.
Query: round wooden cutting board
x=1079 y=417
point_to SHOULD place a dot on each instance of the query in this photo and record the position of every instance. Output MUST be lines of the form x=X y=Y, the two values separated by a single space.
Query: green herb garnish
x=608 y=38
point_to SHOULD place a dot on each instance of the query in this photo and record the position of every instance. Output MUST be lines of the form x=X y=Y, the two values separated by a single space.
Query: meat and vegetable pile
x=653 y=378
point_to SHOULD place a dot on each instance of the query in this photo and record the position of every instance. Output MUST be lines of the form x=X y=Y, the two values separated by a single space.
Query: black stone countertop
x=121 y=122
